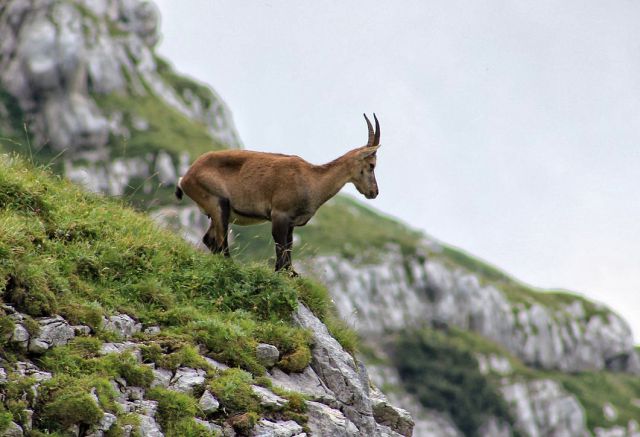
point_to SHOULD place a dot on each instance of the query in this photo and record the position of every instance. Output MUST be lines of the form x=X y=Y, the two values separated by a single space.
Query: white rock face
x=543 y=408
x=57 y=56
x=384 y=296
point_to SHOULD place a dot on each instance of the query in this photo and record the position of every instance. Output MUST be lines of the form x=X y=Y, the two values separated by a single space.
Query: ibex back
x=244 y=187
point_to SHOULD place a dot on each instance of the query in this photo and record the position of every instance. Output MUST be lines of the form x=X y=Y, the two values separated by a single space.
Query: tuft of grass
x=64 y=401
x=173 y=409
x=233 y=389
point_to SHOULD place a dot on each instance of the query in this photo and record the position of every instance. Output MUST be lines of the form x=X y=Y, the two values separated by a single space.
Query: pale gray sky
x=509 y=128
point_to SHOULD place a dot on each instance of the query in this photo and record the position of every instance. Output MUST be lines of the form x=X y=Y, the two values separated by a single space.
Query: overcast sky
x=509 y=128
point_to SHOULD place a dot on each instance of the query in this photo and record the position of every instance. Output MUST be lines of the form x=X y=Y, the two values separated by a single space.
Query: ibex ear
x=368 y=151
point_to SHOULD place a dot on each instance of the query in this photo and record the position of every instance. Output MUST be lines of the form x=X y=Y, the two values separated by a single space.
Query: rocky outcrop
x=55 y=57
x=401 y=292
x=543 y=408
x=340 y=403
x=346 y=380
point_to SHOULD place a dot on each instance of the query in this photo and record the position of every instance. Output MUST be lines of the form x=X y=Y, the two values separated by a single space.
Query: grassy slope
x=63 y=251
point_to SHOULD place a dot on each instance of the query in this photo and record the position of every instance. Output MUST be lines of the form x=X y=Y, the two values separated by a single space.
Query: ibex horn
x=376 y=139
x=371 y=134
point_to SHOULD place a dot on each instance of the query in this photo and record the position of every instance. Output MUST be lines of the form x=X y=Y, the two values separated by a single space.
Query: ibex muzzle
x=245 y=187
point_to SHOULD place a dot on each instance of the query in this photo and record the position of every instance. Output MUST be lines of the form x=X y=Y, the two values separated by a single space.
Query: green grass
x=168 y=130
x=83 y=256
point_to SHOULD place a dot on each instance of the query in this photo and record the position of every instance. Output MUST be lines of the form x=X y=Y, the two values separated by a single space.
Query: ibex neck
x=332 y=177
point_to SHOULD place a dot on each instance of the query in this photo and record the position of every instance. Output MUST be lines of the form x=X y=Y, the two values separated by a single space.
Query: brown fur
x=245 y=187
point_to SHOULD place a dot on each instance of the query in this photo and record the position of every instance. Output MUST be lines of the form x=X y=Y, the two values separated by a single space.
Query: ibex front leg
x=280 y=230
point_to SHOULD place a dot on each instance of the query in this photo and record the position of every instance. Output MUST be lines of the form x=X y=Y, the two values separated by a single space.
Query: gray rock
x=215 y=364
x=29 y=370
x=54 y=331
x=397 y=419
x=542 y=408
x=119 y=348
x=186 y=379
x=267 y=397
x=267 y=428
x=326 y=421
x=267 y=354
x=153 y=330
x=107 y=421
x=307 y=382
x=216 y=429
x=208 y=403
x=81 y=330
x=135 y=393
x=13 y=430
x=161 y=378
x=149 y=427
x=3 y=376
x=20 y=335
x=165 y=169
x=122 y=324
x=609 y=411
x=338 y=371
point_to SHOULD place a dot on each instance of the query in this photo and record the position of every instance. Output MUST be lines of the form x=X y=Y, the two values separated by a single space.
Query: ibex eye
x=371 y=167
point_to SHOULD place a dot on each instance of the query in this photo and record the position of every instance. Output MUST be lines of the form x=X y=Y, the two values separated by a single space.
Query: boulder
x=186 y=379
x=122 y=324
x=54 y=331
x=267 y=428
x=208 y=403
x=13 y=430
x=161 y=377
x=267 y=397
x=268 y=355
x=327 y=421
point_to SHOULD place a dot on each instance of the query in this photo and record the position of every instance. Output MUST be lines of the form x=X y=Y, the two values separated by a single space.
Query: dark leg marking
x=279 y=231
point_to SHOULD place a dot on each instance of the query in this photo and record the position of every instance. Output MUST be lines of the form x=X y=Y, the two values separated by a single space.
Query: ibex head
x=364 y=163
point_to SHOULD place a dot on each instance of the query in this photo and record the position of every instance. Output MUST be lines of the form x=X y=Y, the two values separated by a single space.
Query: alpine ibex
x=245 y=188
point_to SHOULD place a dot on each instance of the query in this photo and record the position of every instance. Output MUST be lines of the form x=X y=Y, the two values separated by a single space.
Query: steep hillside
x=464 y=347
x=113 y=326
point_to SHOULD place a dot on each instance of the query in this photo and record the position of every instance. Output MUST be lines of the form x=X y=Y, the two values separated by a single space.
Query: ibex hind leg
x=215 y=236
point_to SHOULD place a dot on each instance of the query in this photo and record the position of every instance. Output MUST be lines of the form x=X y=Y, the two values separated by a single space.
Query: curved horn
x=371 y=134
x=376 y=139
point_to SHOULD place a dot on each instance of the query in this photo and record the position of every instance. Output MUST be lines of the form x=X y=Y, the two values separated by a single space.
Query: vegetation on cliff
x=85 y=257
